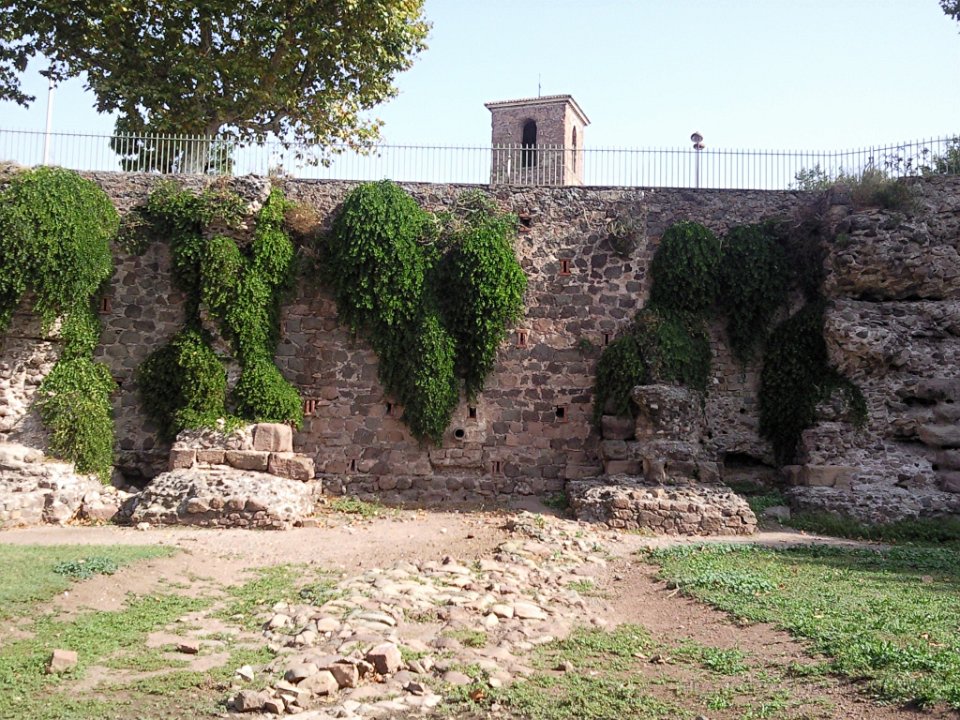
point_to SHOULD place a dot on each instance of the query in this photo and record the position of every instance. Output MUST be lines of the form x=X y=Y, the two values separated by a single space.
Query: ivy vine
x=753 y=283
x=749 y=277
x=433 y=293
x=796 y=377
x=183 y=384
x=55 y=233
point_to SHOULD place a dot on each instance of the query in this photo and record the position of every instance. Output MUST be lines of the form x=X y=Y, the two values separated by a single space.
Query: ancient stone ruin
x=892 y=287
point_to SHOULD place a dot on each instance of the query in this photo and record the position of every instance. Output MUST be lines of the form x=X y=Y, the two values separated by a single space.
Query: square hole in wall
x=565 y=267
x=390 y=408
x=525 y=222
x=309 y=406
x=606 y=338
x=472 y=412
x=496 y=467
x=106 y=305
x=563 y=413
x=523 y=338
x=353 y=465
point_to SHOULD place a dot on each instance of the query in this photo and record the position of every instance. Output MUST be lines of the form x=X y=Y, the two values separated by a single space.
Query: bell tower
x=537 y=141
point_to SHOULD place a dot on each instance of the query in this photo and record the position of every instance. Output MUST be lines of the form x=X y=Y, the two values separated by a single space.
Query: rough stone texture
x=630 y=503
x=36 y=490
x=27 y=355
x=223 y=497
x=290 y=465
x=514 y=444
x=893 y=326
x=273 y=437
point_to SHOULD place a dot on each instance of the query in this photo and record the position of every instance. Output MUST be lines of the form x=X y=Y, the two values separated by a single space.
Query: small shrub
x=74 y=402
x=481 y=286
x=619 y=370
x=262 y=394
x=796 y=376
x=183 y=384
x=684 y=269
x=374 y=262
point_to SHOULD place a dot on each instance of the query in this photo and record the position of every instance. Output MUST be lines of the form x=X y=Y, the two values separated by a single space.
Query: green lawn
x=32 y=574
x=890 y=617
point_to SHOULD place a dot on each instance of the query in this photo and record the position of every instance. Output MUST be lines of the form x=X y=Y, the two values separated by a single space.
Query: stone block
x=247 y=459
x=211 y=456
x=614 y=427
x=289 y=465
x=181 y=458
x=346 y=674
x=948 y=460
x=940 y=436
x=273 y=437
x=385 y=658
x=826 y=475
x=613 y=450
x=61 y=661
x=322 y=683
x=950 y=482
x=623 y=467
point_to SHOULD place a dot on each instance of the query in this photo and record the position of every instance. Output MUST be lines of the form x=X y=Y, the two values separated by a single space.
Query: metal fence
x=513 y=165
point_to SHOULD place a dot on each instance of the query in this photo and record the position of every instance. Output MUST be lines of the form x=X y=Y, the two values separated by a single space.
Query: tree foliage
x=305 y=70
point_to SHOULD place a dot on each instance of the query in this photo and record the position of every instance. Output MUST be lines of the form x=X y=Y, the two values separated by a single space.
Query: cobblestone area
x=388 y=641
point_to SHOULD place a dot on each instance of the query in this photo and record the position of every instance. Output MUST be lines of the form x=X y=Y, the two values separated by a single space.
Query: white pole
x=46 y=136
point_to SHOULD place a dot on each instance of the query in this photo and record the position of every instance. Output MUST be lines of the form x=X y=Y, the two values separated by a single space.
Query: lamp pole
x=46 y=135
x=698 y=145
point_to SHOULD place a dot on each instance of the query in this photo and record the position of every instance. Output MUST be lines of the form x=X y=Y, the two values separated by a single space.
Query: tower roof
x=543 y=100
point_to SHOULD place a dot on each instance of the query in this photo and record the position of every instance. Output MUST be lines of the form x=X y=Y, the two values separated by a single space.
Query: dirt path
x=632 y=594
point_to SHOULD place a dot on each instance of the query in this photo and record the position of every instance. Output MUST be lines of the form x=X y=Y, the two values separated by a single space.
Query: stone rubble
x=222 y=497
x=386 y=643
x=630 y=503
x=35 y=489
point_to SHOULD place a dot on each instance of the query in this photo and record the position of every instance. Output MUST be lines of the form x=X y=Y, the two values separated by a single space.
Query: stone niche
x=659 y=475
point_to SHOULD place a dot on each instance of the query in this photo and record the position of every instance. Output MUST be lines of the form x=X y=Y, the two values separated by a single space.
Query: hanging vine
x=240 y=287
x=434 y=294
x=55 y=232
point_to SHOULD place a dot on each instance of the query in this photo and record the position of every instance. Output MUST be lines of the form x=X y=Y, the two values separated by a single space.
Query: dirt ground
x=216 y=557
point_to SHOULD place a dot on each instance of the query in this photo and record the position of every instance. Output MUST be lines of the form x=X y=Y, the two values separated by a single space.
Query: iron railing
x=515 y=165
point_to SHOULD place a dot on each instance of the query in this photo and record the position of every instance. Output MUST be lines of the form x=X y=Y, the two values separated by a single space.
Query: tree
x=951 y=8
x=305 y=70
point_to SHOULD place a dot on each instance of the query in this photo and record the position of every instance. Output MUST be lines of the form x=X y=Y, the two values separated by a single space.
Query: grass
x=468 y=638
x=718 y=660
x=271 y=585
x=94 y=636
x=353 y=506
x=33 y=574
x=887 y=617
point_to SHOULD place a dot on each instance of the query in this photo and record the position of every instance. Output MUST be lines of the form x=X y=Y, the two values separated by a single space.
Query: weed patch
x=889 y=618
x=33 y=574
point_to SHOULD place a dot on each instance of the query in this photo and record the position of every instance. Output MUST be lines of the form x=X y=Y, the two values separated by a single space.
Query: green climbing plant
x=796 y=376
x=754 y=277
x=55 y=233
x=684 y=269
x=434 y=294
x=240 y=286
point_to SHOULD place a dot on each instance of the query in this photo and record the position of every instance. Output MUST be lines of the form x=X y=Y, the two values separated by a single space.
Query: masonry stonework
x=529 y=431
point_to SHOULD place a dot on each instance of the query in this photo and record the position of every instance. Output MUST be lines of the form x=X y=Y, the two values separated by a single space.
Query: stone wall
x=529 y=431
x=893 y=327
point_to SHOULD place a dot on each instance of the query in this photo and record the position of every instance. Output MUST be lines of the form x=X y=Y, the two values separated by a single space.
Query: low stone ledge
x=630 y=503
x=223 y=497
x=35 y=490
x=875 y=503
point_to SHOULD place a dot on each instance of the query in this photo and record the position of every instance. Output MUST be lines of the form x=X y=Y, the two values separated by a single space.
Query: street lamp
x=46 y=135
x=697 y=140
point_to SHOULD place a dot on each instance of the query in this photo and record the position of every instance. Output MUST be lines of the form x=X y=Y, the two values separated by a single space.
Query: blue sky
x=804 y=74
